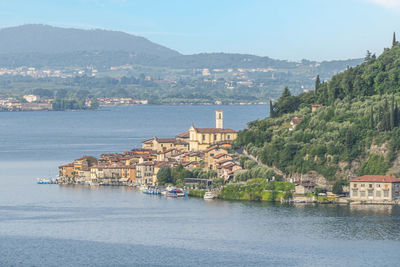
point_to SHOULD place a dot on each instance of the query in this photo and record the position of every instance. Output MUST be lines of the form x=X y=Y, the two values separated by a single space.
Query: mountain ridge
x=40 y=38
x=37 y=44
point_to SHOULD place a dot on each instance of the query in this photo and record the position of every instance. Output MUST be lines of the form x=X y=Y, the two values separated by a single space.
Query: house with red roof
x=375 y=189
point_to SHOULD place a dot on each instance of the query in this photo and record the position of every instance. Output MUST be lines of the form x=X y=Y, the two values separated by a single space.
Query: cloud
x=390 y=4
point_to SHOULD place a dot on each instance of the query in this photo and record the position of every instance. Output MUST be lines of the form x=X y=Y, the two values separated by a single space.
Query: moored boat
x=176 y=192
x=46 y=181
x=152 y=191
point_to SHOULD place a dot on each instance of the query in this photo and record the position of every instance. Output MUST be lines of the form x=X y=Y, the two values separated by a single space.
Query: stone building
x=375 y=188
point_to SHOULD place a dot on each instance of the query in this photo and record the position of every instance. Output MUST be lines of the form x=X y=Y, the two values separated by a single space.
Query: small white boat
x=46 y=181
x=209 y=195
x=176 y=192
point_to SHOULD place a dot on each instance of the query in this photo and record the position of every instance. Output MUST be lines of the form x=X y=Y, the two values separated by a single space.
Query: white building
x=32 y=98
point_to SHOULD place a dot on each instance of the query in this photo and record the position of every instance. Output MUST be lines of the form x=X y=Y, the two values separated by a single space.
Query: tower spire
x=219 y=117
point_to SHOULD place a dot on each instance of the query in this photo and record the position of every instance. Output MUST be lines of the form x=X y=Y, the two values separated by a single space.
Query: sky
x=280 y=29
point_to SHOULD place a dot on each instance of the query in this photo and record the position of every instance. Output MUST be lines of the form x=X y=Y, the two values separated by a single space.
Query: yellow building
x=201 y=138
x=196 y=139
x=129 y=174
x=162 y=144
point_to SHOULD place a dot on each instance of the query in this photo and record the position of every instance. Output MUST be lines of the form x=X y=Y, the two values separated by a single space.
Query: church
x=200 y=139
x=196 y=139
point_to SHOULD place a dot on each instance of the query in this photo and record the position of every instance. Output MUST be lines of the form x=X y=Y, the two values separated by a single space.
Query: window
x=386 y=193
x=229 y=137
x=362 y=193
x=204 y=137
x=378 y=185
x=362 y=185
x=220 y=116
x=354 y=185
x=370 y=193
x=215 y=137
x=355 y=193
x=370 y=185
x=378 y=193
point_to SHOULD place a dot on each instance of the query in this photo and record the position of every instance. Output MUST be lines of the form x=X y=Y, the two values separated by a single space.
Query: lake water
x=51 y=225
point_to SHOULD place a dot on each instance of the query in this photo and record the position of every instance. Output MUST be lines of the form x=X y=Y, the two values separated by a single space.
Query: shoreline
x=131 y=105
x=199 y=194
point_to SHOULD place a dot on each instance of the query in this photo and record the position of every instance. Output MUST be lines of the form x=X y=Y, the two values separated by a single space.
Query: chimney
x=219 y=119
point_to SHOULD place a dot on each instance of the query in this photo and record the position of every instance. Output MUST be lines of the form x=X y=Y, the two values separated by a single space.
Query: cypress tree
x=317 y=84
x=394 y=42
x=286 y=92
x=396 y=116
x=386 y=116
x=392 y=114
x=371 y=119
x=271 y=109
x=367 y=56
x=380 y=119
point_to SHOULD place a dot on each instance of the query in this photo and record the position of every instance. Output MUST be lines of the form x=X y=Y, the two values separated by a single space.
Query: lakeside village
x=202 y=163
x=36 y=103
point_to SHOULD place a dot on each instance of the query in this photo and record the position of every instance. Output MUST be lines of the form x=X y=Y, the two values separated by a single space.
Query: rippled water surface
x=51 y=225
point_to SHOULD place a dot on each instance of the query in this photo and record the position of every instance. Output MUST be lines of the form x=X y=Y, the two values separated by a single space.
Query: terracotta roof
x=222 y=161
x=85 y=157
x=166 y=140
x=376 y=179
x=67 y=165
x=148 y=141
x=211 y=148
x=214 y=130
x=230 y=165
x=220 y=156
x=296 y=120
x=168 y=150
x=146 y=163
x=108 y=166
x=183 y=135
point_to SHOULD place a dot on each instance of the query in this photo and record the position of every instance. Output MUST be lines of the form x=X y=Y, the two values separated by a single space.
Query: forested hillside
x=355 y=132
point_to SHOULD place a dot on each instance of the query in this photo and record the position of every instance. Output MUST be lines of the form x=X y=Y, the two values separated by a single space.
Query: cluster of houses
x=113 y=101
x=31 y=103
x=206 y=148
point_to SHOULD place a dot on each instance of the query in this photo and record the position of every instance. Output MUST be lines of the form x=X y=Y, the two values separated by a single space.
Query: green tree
x=94 y=104
x=286 y=92
x=271 y=109
x=371 y=119
x=338 y=187
x=317 y=84
x=164 y=176
x=367 y=56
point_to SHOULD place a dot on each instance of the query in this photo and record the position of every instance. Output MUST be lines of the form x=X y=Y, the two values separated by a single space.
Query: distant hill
x=44 y=39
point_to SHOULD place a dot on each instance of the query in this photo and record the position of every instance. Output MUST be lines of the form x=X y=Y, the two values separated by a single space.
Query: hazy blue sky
x=284 y=29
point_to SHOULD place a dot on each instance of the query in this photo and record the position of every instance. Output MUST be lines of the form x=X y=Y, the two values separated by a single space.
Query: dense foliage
x=258 y=190
x=359 y=122
x=177 y=174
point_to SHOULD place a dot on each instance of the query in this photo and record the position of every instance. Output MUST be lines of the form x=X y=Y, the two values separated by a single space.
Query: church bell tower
x=219 y=117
